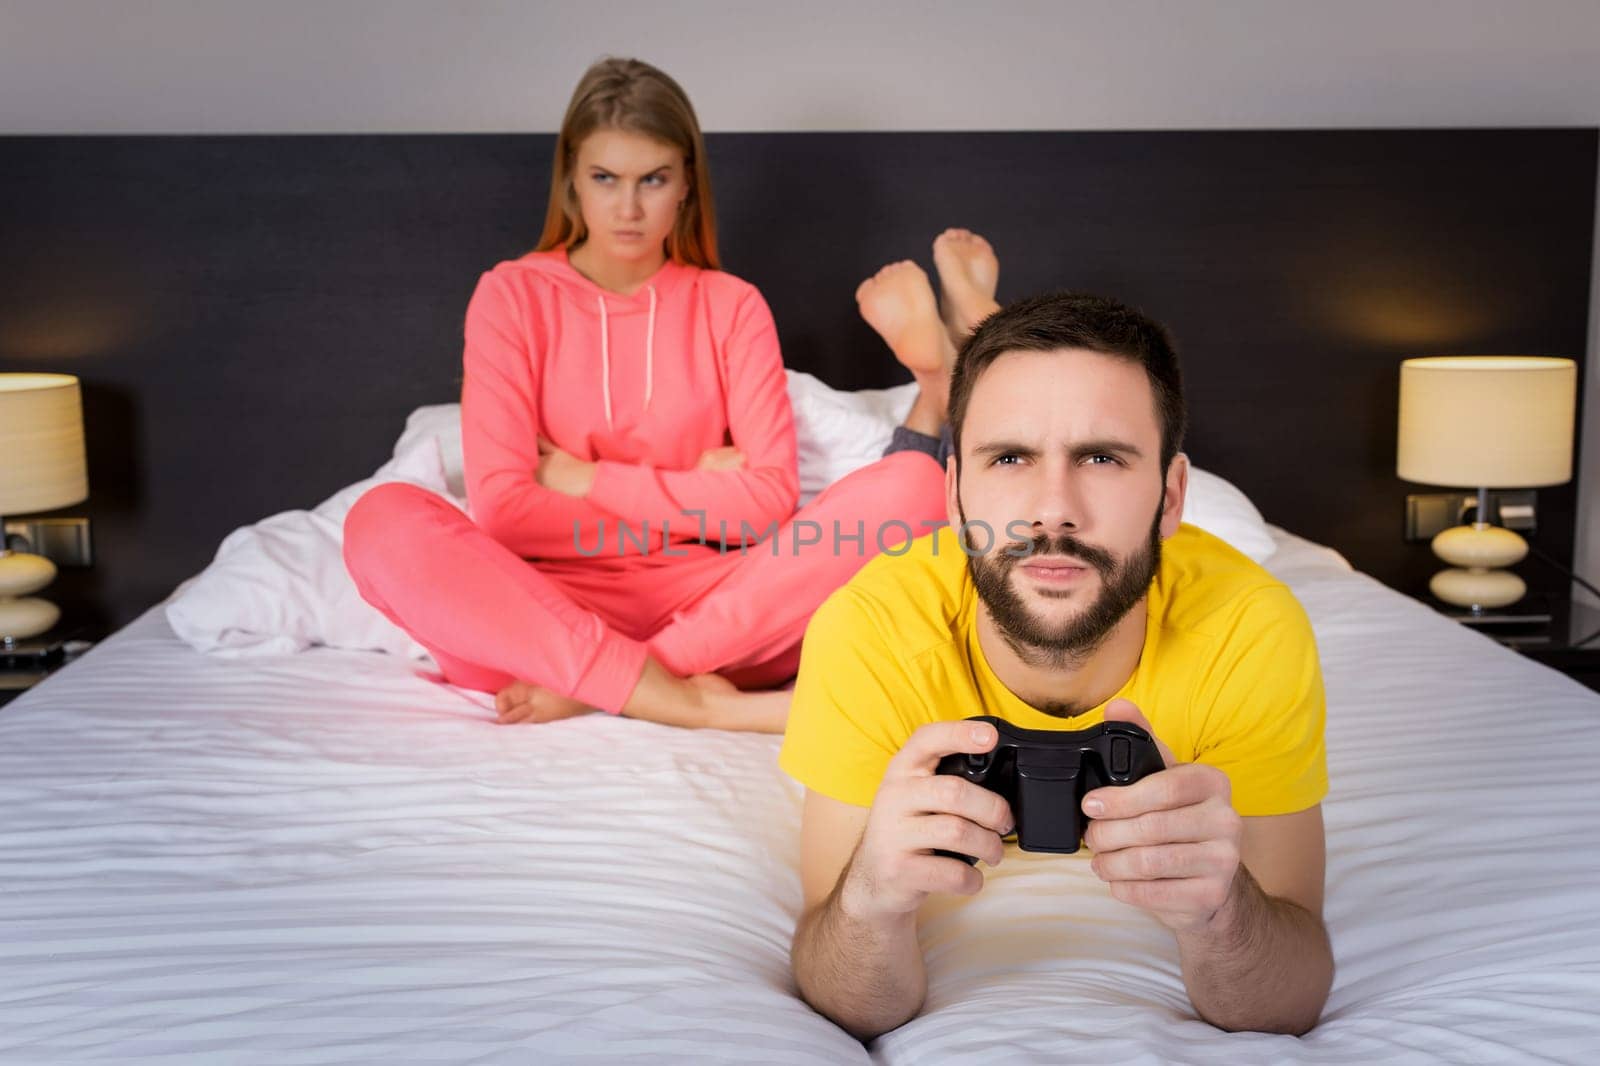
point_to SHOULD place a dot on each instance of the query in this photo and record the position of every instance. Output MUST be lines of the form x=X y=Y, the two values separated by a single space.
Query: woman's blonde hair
x=631 y=95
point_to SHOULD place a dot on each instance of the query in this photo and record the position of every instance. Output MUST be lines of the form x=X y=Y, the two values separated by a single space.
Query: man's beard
x=1072 y=642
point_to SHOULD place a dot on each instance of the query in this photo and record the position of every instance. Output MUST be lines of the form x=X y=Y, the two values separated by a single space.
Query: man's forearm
x=1264 y=964
x=868 y=978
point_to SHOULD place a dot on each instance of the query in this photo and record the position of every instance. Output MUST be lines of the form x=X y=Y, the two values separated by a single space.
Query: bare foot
x=524 y=702
x=898 y=302
x=969 y=271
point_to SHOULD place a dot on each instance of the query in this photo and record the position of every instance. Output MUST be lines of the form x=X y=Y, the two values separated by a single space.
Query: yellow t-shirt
x=1228 y=677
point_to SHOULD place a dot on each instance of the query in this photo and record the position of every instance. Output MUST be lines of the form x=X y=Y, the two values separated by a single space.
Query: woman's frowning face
x=630 y=189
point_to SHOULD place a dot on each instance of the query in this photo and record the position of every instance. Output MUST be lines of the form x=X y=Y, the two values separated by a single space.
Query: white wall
x=347 y=66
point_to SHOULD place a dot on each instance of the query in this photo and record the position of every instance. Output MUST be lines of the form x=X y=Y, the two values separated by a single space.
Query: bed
x=302 y=853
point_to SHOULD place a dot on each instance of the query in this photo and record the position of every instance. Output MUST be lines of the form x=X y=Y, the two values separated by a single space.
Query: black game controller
x=1044 y=774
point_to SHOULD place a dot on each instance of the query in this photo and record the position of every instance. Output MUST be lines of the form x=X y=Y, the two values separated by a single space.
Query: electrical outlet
x=64 y=541
x=1428 y=514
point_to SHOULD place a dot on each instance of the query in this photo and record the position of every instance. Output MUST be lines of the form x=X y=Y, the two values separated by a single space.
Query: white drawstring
x=605 y=359
x=650 y=350
x=649 y=354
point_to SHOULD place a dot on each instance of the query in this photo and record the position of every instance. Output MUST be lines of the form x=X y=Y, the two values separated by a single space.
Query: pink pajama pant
x=583 y=627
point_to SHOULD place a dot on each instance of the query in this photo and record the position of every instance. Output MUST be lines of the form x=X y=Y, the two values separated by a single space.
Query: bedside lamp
x=42 y=467
x=1485 y=422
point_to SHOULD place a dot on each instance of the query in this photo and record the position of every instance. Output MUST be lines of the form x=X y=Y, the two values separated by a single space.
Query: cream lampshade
x=1485 y=422
x=42 y=467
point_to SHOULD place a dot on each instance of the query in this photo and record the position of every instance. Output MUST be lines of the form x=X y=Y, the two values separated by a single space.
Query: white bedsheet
x=324 y=858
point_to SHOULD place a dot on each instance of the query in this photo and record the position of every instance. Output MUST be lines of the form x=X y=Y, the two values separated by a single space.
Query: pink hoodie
x=643 y=385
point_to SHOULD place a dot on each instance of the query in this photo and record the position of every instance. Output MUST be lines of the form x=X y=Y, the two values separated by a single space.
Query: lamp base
x=26 y=617
x=22 y=615
x=1478 y=588
x=1475 y=581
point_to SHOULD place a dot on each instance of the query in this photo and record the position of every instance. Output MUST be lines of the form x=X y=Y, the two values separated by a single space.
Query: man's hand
x=724 y=458
x=1169 y=843
x=917 y=810
x=563 y=472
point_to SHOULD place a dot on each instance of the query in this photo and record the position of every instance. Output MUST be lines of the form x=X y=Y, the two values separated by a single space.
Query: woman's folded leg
x=748 y=626
x=488 y=616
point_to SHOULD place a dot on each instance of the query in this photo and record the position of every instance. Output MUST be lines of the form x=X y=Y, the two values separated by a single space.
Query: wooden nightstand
x=1550 y=632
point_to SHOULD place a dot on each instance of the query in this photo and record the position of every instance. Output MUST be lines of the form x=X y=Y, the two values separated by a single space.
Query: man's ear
x=952 y=493
x=1174 y=493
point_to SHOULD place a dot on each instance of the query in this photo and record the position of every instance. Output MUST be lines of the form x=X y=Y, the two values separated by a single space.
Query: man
x=1066 y=593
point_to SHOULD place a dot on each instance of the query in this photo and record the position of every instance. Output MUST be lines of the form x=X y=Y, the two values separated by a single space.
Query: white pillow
x=440 y=422
x=838 y=432
x=1219 y=507
x=280 y=585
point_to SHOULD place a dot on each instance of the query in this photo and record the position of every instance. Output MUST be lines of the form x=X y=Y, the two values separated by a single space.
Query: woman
x=624 y=411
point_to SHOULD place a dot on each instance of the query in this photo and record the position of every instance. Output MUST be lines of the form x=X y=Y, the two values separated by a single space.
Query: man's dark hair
x=1075 y=320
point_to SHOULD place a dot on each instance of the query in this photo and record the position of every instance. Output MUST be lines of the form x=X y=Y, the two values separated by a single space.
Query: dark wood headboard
x=253 y=316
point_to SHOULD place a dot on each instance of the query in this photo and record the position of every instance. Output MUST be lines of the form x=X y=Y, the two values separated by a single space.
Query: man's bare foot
x=524 y=702
x=969 y=272
x=898 y=302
